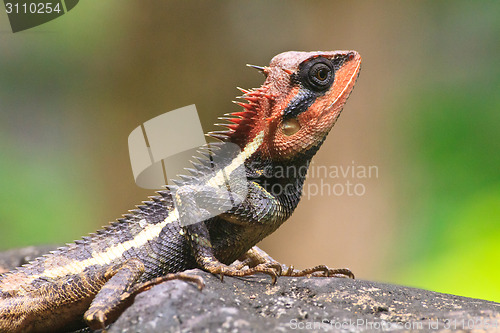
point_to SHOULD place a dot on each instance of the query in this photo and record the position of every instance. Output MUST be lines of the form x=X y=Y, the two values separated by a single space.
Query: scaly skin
x=283 y=125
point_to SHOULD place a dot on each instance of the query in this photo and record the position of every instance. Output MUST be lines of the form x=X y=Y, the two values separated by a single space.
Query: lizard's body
x=283 y=125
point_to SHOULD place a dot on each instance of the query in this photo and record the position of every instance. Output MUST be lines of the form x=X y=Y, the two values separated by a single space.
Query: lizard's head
x=297 y=105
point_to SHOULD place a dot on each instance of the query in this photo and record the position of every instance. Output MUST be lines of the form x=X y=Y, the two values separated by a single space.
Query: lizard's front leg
x=255 y=256
x=204 y=254
x=193 y=203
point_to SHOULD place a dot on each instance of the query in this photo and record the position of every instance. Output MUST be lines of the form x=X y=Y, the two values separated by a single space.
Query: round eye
x=320 y=74
x=290 y=126
x=317 y=74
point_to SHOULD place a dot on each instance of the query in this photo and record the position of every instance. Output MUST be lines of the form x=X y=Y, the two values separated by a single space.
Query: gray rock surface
x=17 y=257
x=301 y=304
x=252 y=304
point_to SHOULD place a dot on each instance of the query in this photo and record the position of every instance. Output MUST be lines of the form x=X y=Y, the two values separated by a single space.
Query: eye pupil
x=322 y=74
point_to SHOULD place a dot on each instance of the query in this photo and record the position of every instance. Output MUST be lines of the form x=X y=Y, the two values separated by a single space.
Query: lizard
x=282 y=124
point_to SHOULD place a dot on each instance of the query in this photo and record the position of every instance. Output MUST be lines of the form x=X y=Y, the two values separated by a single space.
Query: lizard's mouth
x=341 y=91
x=350 y=69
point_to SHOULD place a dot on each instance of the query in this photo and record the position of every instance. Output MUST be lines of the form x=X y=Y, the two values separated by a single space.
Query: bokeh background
x=425 y=112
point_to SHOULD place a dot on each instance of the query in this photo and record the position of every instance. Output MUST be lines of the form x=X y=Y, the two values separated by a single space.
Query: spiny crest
x=240 y=124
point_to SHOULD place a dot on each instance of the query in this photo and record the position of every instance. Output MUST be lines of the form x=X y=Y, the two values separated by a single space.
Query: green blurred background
x=425 y=111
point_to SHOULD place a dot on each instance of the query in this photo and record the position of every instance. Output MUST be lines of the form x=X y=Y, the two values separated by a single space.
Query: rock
x=17 y=257
x=253 y=304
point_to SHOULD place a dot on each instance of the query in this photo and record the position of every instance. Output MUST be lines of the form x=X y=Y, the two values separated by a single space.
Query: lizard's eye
x=290 y=126
x=318 y=74
x=322 y=74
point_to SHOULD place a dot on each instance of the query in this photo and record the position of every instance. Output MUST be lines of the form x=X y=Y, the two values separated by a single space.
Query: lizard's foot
x=220 y=269
x=255 y=257
x=113 y=298
x=319 y=271
x=251 y=263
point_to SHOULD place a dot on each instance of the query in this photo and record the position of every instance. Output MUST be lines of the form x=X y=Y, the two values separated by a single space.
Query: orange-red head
x=298 y=104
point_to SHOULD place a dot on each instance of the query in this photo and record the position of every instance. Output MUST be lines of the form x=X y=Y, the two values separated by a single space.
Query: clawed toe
x=223 y=270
